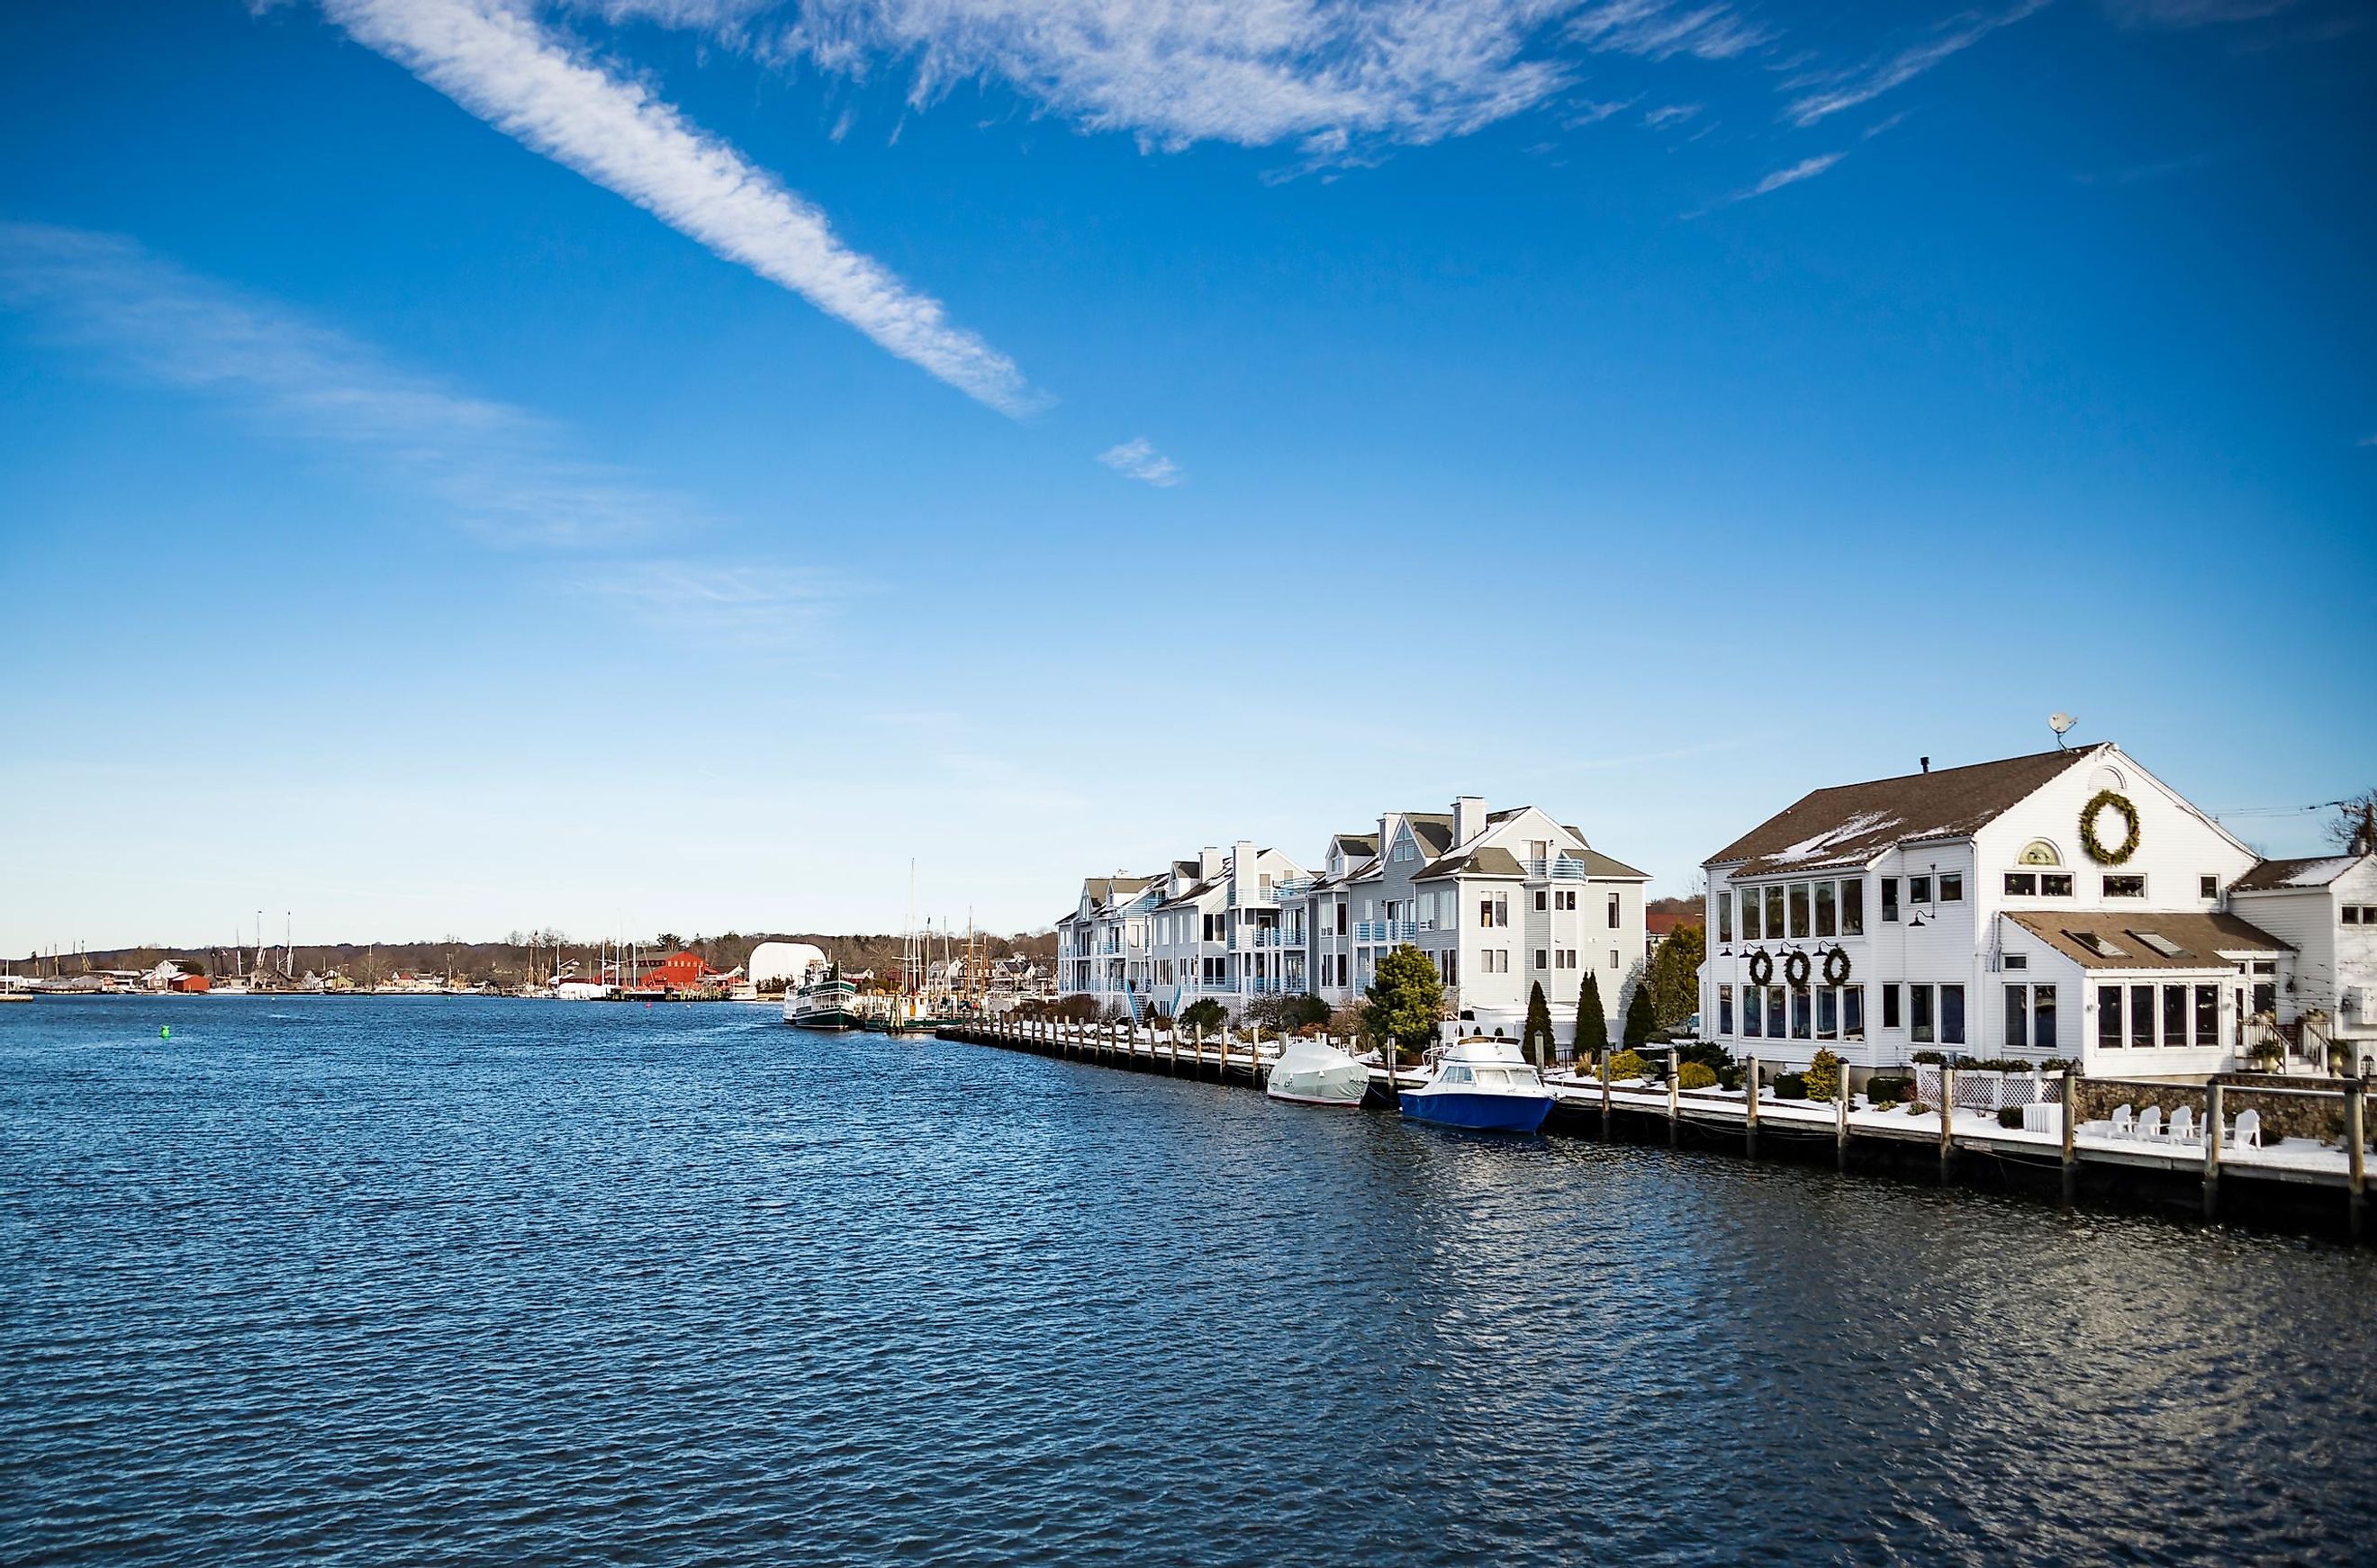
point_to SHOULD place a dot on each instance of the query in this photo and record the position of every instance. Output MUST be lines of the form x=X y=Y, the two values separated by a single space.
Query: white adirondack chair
x=2182 y=1124
x=2124 y=1121
x=2249 y=1129
x=2150 y=1124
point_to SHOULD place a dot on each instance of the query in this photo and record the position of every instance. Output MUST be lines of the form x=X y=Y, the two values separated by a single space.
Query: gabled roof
x=1364 y=844
x=1432 y=829
x=2116 y=939
x=1111 y=890
x=1190 y=895
x=1487 y=862
x=1850 y=824
x=1600 y=866
x=2317 y=871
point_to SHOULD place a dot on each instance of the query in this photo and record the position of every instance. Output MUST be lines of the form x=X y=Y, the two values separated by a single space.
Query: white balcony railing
x=1560 y=868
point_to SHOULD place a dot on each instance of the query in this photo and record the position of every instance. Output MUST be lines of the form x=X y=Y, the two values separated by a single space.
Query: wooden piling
x=2070 y=1130
x=1840 y=1120
x=1674 y=1094
x=1947 y=1121
x=1605 y=1095
x=2355 y=1155
x=1750 y=1112
x=2212 y=1150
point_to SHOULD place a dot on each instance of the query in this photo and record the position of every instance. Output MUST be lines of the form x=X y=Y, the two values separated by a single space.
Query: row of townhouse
x=1499 y=901
x=2067 y=904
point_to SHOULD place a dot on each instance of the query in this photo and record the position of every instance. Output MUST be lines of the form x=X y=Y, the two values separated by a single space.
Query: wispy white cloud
x=2192 y=13
x=752 y=607
x=1831 y=94
x=535 y=86
x=1806 y=169
x=505 y=471
x=1660 y=29
x=1140 y=459
x=1670 y=115
x=1323 y=73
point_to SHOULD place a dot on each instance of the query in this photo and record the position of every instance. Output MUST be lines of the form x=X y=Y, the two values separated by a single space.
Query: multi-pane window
x=1952 y=1015
x=1724 y=921
x=1827 y=910
x=1564 y=901
x=2109 y=1018
x=2142 y=1020
x=1567 y=959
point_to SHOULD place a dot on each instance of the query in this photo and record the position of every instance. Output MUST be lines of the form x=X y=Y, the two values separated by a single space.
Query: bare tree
x=2355 y=816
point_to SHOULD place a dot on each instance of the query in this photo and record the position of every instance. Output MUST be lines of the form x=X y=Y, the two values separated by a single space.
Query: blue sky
x=664 y=463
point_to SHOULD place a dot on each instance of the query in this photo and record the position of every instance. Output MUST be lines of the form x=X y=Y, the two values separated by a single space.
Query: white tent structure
x=786 y=961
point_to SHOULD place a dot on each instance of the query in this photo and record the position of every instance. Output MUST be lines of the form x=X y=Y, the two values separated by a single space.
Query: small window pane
x=1853 y=907
x=2109 y=1018
x=1774 y=912
x=1827 y=910
x=1800 y=1014
x=1952 y=887
x=1918 y=1012
x=2017 y=1020
x=1889 y=898
x=2042 y=1019
x=1890 y=1007
x=1724 y=1009
x=2055 y=885
x=1799 y=908
x=1774 y=1011
x=2207 y=1015
x=1952 y=1015
x=1750 y=928
x=1853 y=1012
x=1724 y=919
x=2174 y=1017
x=1754 y=1010
x=1828 y=1014
x=2142 y=1034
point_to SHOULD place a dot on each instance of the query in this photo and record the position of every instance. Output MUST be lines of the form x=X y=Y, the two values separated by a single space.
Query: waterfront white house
x=1208 y=926
x=1501 y=900
x=2325 y=907
x=1498 y=900
x=2065 y=905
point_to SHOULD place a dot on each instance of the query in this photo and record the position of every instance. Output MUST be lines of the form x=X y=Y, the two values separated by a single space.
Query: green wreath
x=2095 y=846
x=1761 y=968
x=1836 y=966
x=1795 y=970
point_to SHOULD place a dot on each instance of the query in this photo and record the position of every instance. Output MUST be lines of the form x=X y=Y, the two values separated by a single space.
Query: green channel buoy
x=165 y=1032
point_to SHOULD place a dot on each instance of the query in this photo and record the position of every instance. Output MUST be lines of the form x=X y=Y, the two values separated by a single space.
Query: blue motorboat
x=1484 y=1085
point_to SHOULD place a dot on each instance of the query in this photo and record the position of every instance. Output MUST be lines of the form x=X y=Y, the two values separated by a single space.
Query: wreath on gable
x=1761 y=968
x=1795 y=969
x=1836 y=966
x=2095 y=846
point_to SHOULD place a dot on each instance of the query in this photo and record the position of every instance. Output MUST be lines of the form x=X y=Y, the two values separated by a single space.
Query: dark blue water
x=428 y=1280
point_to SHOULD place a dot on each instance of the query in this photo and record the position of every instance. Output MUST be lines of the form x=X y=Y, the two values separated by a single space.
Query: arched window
x=2039 y=852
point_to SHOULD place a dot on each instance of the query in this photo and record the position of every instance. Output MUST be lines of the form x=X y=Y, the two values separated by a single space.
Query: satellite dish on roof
x=2060 y=723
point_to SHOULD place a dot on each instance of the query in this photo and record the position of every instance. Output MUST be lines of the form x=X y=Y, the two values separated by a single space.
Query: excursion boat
x=1310 y=1073
x=1484 y=1085
x=823 y=1001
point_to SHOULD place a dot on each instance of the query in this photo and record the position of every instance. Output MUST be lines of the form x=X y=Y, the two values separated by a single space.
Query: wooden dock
x=1966 y=1145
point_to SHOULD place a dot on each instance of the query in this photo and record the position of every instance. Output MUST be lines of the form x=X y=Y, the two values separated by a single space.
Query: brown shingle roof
x=1487 y=862
x=2315 y=871
x=1357 y=843
x=1598 y=865
x=2200 y=937
x=1434 y=831
x=1850 y=824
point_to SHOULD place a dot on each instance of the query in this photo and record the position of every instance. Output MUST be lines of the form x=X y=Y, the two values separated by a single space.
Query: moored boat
x=1484 y=1085
x=823 y=999
x=1309 y=1072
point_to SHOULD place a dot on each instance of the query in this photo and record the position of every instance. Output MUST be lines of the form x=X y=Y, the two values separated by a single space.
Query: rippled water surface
x=434 y=1280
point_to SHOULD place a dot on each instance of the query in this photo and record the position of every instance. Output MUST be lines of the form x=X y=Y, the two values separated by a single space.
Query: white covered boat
x=1311 y=1072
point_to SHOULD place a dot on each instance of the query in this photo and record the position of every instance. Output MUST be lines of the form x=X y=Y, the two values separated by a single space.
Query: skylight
x=2162 y=945
x=2103 y=946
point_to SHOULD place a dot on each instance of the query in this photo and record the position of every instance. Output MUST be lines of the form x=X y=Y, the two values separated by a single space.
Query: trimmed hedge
x=1881 y=1091
x=1791 y=1086
x=1695 y=1075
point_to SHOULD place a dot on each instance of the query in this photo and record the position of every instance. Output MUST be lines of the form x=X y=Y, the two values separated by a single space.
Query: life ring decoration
x=2102 y=801
x=1796 y=969
x=1836 y=966
x=1761 y=968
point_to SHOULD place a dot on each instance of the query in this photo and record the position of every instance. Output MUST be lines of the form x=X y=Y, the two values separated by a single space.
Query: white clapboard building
x=2066 y=904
